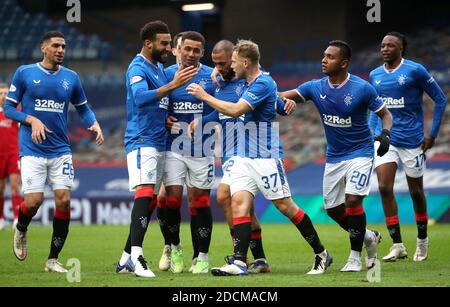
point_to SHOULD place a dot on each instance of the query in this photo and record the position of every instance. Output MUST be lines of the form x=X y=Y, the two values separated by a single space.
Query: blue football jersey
x=183 y=106
x=146 y=122
x=261 y=133
x=230 y=91
x=46 y=95
x=402 y=91
x=343 y=112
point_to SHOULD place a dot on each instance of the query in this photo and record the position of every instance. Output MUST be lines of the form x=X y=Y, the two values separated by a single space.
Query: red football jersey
x=9 y=135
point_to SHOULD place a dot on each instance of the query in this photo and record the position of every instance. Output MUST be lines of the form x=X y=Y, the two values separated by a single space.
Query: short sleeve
x=257 y=93
x=78 y=97
x=305 y=90
x=135 y=74
x=17 y=88
x=374 y=102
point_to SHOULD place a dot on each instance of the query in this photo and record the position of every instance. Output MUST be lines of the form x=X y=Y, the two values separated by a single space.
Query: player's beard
x=160 y=56
x=230 y=75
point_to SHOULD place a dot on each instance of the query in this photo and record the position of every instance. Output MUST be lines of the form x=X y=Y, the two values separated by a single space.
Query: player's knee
x=283 y=208
x=33 y=201
x=386 y=190
x=286 y=206
x=63 y=202
x=353 y=201
x=223 y=199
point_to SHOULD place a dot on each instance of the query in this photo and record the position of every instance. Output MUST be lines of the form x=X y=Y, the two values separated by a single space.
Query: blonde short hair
x=249 y=50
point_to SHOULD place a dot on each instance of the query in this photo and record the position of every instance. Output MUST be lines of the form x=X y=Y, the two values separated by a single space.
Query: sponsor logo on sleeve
x=164 y=103
x=135 y=79
x=252 y=96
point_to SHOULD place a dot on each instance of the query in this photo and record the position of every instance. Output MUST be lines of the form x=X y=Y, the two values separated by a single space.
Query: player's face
x=391 y=48
x=176 y=51
x=3 y=92
x=332 y=61
x=161 y=47
x=54 y=49
x=222 y=62
x=238 y=65
x=191 y=52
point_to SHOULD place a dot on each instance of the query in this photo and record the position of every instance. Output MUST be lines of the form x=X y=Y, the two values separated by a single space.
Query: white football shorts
x=35 y=171
x=347 y=177
x=145 y=166
x=265 y=175
x=195 y=172
x=413 y=160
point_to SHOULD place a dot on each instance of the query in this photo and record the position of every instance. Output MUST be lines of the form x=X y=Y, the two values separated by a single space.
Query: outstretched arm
x=292 y=94
x=224 y=107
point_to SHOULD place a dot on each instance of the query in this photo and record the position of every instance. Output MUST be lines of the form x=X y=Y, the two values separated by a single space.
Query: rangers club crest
x=402 y=79
x=348 y=99
x=202 y=83
x=65 y=84
x=239 y=89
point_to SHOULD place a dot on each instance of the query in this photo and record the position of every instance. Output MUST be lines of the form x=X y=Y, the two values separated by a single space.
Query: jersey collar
x=145 y=59
x=340 y=85
x=48 y=72
x=393 y=70
x=256 y=78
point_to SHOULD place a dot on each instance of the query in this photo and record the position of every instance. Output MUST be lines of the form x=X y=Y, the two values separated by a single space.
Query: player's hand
x=98 y=131
x=215 y=73
x=289 y=105
x=196 y=90
x=172 y=125
x=428 y=143
x=184 y=75
x=38 y=130
x=193 y=125
x=385 y=139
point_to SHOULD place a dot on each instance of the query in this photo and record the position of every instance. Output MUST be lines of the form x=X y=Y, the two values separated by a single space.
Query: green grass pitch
x=99 y=247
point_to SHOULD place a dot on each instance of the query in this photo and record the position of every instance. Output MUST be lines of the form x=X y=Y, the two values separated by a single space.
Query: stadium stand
x=16 y=24
x=103 y=80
